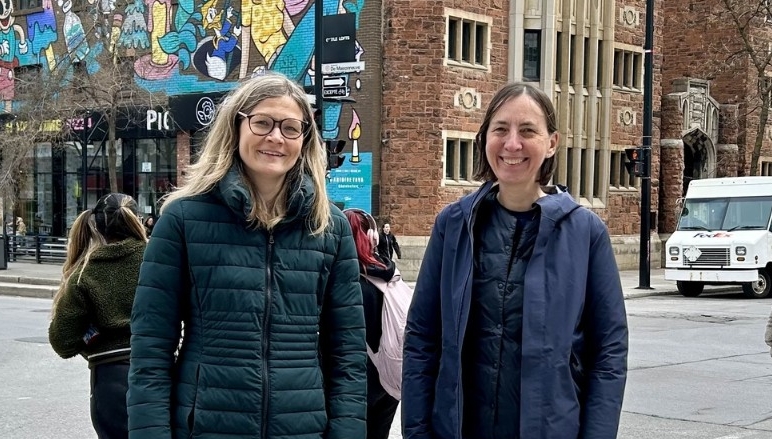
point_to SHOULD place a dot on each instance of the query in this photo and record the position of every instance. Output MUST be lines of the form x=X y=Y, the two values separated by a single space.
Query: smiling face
x=268 y=158
x=518 y=142
x=6 y=19
x=386 y=228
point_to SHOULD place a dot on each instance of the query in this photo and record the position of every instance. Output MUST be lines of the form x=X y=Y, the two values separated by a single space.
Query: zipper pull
x=270 y=238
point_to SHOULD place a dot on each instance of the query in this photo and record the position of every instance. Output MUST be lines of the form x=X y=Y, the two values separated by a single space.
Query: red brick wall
x=418 y=104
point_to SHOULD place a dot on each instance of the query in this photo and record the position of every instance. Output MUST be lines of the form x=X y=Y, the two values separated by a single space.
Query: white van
x=723 y=236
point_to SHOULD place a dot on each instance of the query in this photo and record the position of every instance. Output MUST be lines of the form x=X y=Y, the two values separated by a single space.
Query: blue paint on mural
x=351 y=185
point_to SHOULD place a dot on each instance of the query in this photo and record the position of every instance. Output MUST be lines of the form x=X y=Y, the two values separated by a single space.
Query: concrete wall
x=625 y=250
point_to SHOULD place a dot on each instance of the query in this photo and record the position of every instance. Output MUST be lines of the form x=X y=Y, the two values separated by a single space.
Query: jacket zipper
x=470 y=230
x=267 y=335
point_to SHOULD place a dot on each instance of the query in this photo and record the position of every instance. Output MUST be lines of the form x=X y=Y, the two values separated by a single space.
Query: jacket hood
x=235 y=194
x=382 y=273
x=117 y=250
x=556 y=206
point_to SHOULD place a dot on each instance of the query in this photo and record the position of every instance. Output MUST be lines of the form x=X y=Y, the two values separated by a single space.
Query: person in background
x=92 y=308
x=387 y=243
x=517 y=328
x=381 y=407
x=250 y=256
x=149 y=224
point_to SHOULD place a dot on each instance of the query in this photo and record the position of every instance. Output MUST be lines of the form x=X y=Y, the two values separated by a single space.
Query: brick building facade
x=429 y=70
x=587 y=54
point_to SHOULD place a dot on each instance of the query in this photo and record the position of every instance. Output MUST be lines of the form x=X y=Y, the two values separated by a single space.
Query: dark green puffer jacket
x=101 y=296
x=296 y=371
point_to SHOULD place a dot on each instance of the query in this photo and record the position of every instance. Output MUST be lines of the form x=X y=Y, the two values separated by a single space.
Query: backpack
x=397 y=296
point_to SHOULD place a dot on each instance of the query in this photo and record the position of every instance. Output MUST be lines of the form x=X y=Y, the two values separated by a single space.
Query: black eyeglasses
x=261 y=125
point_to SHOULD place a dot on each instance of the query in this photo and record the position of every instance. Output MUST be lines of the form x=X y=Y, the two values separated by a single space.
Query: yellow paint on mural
x=159 y=57
x=266 y=20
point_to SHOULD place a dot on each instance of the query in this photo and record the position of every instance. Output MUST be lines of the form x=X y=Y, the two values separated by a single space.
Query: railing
x=36 y=248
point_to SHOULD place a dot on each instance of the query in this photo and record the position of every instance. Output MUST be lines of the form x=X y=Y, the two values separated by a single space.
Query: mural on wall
x=189 y=46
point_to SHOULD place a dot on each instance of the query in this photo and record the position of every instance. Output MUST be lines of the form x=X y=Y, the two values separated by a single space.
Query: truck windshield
x=747 y=213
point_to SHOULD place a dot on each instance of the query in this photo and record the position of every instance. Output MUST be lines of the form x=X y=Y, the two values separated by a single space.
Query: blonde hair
x=220 y=152
x=119 y=218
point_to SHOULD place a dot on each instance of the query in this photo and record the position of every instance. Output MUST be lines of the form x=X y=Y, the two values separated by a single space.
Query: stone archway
x=699 y=157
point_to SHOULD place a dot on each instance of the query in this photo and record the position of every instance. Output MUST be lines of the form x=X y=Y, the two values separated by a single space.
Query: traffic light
x=334 y=158
x=634 y=162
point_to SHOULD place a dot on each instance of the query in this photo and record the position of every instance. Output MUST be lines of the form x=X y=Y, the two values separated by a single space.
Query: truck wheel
x=759 y=289
x=690 y=289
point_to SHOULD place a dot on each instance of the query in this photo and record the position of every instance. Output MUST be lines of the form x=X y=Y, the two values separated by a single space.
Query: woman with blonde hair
x=261 y=270
x=92 y=308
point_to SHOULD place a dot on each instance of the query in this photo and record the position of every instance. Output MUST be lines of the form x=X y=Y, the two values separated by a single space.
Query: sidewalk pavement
x=41 y=280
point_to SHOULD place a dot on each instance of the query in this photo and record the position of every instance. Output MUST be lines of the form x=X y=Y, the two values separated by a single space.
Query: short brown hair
x=482 y=169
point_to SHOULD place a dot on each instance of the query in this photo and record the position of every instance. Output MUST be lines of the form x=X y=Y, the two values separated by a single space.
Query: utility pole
x=318 y=45
x=644 y=253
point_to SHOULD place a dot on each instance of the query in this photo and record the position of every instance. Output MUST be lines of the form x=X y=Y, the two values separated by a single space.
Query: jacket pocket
x=578 y=375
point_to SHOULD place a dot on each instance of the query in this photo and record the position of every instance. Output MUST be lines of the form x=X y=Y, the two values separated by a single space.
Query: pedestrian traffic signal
x=334 y=157
x=634 y=162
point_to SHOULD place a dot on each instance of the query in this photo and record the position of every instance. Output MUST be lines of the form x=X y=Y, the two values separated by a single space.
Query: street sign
x=343 y=67
x=334 y=81
x=335 y=92
x=339 y=33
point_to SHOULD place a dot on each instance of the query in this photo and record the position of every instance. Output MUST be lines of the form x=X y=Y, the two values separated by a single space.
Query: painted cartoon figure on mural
x=266 y=25
x=134 y=34
x=41 y=33
x=213 y=56
x=11 y=34
x=100 y=13
x=74 y=35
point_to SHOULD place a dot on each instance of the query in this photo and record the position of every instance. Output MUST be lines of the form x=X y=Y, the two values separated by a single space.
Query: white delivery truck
x=723 y=236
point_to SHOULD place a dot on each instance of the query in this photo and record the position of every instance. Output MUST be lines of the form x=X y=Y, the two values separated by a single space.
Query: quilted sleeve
x=342 y=338
x=156 y=327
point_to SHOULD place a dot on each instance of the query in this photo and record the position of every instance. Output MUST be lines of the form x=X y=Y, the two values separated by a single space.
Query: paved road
x=698 y=369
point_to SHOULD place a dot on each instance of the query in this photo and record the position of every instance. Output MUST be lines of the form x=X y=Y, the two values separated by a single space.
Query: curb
x=674 y=292
x=6 y=278
x=27 y=290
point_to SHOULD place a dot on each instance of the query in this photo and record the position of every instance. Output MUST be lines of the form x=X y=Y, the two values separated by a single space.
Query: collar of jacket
x=117 y=250
x=555 y=207
x=234 y=193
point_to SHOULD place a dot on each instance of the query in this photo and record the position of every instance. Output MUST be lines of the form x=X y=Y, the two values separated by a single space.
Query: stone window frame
x=628 y=68
x=765 y=166
x=461 y=140
x=619 y=178
x=478 y=23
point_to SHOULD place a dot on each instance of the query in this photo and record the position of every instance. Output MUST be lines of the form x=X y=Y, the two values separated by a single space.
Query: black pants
x=109 y=383
x=381 y=406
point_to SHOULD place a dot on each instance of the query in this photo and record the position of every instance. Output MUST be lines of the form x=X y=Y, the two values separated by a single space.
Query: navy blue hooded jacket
x=574 y=363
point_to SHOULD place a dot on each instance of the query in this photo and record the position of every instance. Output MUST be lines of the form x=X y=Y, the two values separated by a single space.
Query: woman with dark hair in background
x=92 y=308
x=387 y=243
